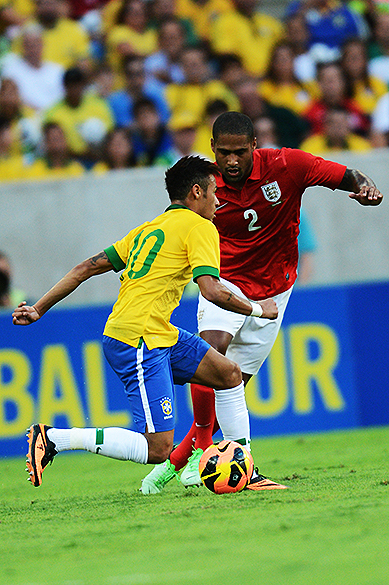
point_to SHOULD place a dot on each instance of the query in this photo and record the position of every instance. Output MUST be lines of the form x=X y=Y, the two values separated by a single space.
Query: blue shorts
x=149 y=376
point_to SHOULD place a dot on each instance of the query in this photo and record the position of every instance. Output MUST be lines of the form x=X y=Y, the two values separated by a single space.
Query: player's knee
x=232 y=375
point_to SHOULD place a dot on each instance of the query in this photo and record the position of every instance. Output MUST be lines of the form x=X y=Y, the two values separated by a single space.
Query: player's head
x=191 y=181
x=233 y=143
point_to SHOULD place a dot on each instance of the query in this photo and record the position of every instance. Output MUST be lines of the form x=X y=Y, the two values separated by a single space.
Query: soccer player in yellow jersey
x=149 y=354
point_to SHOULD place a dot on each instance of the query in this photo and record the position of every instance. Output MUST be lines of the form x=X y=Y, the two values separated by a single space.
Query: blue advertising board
x=327 y=369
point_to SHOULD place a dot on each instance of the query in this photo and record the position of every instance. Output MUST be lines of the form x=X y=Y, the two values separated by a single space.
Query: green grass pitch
x=88 y=524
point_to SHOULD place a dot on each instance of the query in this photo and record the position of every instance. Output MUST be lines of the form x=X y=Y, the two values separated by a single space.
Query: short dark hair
x=188 y=171
x=233 y=124
x=73 y=75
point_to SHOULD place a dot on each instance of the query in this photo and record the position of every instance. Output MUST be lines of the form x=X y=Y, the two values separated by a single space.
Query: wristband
x=257 y=310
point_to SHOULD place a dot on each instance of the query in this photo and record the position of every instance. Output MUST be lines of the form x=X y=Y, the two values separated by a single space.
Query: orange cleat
x=260 y=482
x=41 y=452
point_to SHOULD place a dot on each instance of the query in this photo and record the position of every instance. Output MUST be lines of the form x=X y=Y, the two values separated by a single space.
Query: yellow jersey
x=158 y=259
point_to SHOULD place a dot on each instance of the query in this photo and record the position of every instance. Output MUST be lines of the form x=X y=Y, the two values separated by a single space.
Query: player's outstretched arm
x=363 y=189
x=214 y=291
x=24 y=314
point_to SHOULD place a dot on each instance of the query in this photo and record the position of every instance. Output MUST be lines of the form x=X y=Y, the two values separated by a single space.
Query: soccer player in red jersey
x=259 y=193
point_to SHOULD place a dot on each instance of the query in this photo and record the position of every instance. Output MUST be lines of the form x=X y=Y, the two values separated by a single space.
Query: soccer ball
x=226 y=467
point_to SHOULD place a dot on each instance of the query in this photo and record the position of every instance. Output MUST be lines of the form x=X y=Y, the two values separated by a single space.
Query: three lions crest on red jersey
x=271 y=191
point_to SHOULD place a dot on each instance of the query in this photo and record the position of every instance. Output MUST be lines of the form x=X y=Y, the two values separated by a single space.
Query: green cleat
x=158 y=477
x=190 y=477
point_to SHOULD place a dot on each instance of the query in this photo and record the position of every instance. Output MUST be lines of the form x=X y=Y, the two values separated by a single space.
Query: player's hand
x=367 y=196
x=270 y=309
x=24 y=314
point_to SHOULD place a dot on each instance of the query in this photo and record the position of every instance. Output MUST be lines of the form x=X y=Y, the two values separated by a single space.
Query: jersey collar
x=176 y=206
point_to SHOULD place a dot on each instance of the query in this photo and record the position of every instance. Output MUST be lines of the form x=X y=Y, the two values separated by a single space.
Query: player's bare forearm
x=215 y=292
x=362 y=187
x=25 y=314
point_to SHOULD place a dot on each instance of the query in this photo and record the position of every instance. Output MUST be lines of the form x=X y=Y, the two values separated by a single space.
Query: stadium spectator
x=297 y=35
x=24 y=124
x=79 y=8
x=199 y=88
x=330 y=24
x=12 y=295
x=84 y=117
x=332 y=86
x=248 y=33
x=266 y=132
x=380 y=123
x=280 y=86
x=137 y=86
x=202 y=143
x=201 y=13
x=39 y=82
x=5 y=300
x=64 y=41
x=182 y=127
x=151 y=139
x=12 y=166
x=56 y=161
x=162 y=10
x=117 y=152
x=361 y=87
x=379 y=49
x=14 y=13
x=291 y=129
x=164 y=65
x=336 y=135
x=131 y=34
x=231 y=71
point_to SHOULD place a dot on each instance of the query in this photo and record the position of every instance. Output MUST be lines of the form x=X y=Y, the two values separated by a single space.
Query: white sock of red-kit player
x=232 y=414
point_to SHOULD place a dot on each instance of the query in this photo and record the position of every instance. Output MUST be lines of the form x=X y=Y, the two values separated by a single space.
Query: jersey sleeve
x=203 y=250
x=119 y=251
x=307 y=170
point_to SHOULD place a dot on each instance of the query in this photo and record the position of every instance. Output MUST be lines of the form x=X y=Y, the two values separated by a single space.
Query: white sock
x=112 y=442
x=232 y=415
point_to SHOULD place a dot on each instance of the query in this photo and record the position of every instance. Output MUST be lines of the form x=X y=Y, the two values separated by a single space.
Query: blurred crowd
x=94 y=85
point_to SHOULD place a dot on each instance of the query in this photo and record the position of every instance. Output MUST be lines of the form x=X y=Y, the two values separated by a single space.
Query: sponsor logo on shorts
x=271 y=191
x=167 y=408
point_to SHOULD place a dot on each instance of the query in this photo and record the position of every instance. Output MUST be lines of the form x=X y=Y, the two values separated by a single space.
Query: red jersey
x=259 y=224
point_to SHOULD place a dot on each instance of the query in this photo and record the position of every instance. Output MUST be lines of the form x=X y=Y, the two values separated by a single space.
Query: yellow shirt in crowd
x=159 y=258
x=40 y=169
x=71 y=119
x=291 y=96
x=194 y=98
x=318 y=145
x=66 y=43
x=202 y=14
x=252 y=39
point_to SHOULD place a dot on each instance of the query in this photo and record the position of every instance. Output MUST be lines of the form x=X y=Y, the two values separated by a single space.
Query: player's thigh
x=210 y=317
x=217 y=371
x=148 y=381
x=253 y=342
